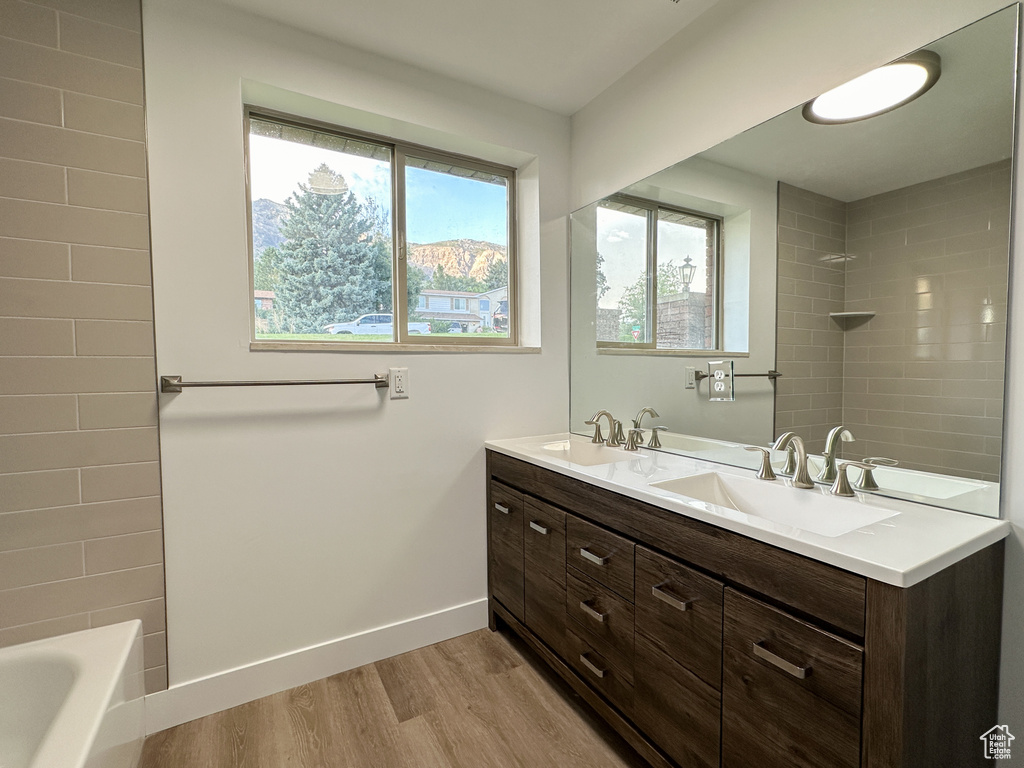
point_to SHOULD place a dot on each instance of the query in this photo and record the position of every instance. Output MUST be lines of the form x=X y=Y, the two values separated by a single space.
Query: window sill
x=669 y=352
x=377 y=348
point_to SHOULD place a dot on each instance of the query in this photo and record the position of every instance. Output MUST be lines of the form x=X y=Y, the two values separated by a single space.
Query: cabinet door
x=544 y=537
x=505 y=548
x=680 y=612
x=678 y=710
x=791 y=693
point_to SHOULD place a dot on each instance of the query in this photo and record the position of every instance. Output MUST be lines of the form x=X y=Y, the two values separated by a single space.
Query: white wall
x=745 y=62
x=295 y=517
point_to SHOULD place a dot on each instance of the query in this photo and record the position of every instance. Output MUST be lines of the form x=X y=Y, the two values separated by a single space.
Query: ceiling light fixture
x=879 y=91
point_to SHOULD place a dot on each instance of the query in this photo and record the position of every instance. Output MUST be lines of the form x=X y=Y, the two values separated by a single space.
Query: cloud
x=617 y=236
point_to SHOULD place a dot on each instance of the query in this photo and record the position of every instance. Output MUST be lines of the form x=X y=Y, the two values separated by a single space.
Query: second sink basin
x=808 y=510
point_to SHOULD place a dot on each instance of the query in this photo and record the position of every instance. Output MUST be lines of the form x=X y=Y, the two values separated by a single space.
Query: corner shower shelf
x=851 y=319
x=867 y=315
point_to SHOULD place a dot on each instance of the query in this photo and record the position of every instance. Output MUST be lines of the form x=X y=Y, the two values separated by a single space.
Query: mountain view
x=458 y=258
x=267 y=217
x=461 y=258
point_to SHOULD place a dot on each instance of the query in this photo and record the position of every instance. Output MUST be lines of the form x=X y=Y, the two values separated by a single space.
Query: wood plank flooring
x=482 y=700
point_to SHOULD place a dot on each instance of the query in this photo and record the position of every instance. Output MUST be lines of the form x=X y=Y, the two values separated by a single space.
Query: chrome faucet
x=640 y=416
x=800 y=477
x=614 y=430
x=837 y=434
x=595 y=423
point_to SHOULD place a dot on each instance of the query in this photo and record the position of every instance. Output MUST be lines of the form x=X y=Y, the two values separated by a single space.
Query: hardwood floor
x=482 y=700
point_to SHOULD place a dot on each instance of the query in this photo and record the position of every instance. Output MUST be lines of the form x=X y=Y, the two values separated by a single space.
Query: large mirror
x=865 y=262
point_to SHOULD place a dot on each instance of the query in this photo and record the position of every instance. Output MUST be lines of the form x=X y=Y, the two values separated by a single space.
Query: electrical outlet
x=721 y=381
x=399 y=383
x=690 y=381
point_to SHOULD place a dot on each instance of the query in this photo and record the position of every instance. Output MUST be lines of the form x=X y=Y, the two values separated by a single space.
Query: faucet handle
x=765 y=472
x=841 y=486
x=654 y=441
x=598 y=435
x=634 y=439
x=867 y=477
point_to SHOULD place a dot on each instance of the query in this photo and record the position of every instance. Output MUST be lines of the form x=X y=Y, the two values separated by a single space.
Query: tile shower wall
x=80 y=518
x=924 y=377
x=809 y=348
x=922 y=380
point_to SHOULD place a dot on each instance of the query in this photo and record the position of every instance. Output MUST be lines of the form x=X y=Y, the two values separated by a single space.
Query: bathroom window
x=350 y=233
x=658 y=281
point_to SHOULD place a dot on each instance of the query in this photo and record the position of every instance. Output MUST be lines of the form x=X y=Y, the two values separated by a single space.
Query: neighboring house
x=493 y=304
x=461 y=307
x=264 y=299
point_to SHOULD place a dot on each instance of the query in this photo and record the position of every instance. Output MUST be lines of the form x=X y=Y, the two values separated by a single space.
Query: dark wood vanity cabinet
x=705 y=648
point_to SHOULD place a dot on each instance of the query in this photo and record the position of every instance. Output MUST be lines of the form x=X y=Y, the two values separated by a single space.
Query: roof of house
x=435 y=292
x=263 y=294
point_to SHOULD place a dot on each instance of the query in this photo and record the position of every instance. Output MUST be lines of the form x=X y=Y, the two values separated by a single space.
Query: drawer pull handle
x=777 y=661
x=665 y=597
x=598 y=672
x=596 y=615
x=542 y=530
x=586 y=554
x=501 y=508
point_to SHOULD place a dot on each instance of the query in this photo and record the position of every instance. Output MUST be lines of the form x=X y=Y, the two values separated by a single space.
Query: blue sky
x=440 y=207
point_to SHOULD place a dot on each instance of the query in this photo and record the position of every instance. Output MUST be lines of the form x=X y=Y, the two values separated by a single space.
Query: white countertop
x=916 y=542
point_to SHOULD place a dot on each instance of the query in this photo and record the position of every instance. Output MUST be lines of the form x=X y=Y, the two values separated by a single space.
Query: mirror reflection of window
x=637 y=240
x=622 y=274
x=687 y=260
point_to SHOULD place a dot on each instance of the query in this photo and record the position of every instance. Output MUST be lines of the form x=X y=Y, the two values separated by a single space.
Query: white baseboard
x=198 y=698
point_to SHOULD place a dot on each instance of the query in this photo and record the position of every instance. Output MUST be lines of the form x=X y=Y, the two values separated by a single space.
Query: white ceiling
x=557 y=54
x=965 y=121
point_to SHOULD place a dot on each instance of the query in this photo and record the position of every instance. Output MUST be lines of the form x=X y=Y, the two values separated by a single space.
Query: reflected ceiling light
x=880 y=90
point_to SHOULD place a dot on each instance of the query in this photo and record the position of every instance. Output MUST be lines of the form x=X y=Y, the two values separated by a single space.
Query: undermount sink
x=809 y=510
x=584 y=454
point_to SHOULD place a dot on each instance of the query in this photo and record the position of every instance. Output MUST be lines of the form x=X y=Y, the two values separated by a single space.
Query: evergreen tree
x=267 y=270
x=330 y=260
x=497 y=274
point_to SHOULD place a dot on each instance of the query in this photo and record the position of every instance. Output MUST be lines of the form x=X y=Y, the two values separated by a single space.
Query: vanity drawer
x=544 y=549
x=791 y=693
x=680 y=612
x=678 y=710
x=601 y=671
x=602 y=555
x=505 y=563
x=600 y=616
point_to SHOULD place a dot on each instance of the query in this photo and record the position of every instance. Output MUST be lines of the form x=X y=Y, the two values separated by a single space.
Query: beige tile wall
x=922 y=380
x=80 y=519
x=924 y=377
x=809 y=348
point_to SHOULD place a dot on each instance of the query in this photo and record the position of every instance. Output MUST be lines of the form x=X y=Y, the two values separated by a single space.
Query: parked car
x=376 y=324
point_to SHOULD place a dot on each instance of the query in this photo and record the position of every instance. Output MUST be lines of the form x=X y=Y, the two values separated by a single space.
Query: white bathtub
x=74 y=701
